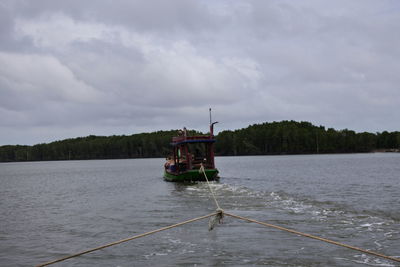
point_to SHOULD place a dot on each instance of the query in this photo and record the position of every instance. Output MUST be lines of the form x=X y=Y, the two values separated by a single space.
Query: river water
x=52 y=209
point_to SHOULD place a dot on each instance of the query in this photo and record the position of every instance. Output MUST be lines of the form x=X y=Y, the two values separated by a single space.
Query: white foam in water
x=223 y=188
x=337 y=217
x=368 y=262
x=275 y=196
x=390 y=233
x=161 y=254
x=377 y=243
x=283 y=201
x=148 y=256
x=193 y=189
x=372 y=226
x=175 y=241
x=185 y=251
x=372 y=261
x=298 y=207
x=270 y=199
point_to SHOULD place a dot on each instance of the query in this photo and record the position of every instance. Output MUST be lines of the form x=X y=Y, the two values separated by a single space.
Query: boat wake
x=373 y=230
x=236 y=197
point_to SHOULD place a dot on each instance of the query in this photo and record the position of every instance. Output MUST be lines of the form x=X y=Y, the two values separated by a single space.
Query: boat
x=192 y=157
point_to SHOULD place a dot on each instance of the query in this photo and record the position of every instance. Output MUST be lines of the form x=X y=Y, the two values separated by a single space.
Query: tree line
x=285 y=137
x=291 y=137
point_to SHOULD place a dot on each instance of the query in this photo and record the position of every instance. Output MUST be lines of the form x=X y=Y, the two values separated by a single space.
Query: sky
x=76 y=68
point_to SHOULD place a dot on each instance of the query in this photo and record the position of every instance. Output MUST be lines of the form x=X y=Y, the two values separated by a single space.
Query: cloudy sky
x=75 y=68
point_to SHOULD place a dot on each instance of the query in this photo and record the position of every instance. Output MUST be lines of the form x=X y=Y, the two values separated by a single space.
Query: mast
x=211 y=125
x=210 y=146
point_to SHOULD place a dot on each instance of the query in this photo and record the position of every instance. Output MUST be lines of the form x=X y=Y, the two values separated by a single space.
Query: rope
x=127 y=239
x=208 y=183
x=219 y=214
x=315 y=237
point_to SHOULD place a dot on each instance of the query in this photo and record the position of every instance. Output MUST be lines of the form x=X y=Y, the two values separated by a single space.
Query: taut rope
x=127 y=239
x=314 y=237
x=208 y=183
x=219 y=213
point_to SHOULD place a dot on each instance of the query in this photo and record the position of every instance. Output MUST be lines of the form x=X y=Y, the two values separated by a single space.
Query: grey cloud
x=174 y=15
x=71 y=68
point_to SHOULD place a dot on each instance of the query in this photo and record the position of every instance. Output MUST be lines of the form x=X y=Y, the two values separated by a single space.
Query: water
x=52 y=209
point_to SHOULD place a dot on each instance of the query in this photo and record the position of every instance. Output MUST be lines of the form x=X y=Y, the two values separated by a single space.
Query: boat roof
x=192 y=139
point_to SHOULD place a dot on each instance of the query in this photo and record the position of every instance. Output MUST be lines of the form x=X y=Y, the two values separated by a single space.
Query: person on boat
x=169 y=164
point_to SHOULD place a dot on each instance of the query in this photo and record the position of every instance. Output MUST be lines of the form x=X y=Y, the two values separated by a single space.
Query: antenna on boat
x=211 y=124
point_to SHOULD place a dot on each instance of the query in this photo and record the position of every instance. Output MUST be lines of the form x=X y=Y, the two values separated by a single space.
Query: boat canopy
x=193 y=141
x=184 y=139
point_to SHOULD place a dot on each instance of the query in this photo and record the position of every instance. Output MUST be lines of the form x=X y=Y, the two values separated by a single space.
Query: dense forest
x=285 y=137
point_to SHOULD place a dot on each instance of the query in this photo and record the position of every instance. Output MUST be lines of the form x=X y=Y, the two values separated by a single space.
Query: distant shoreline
x=269 y=138
x=391 y=150
x=219 y=156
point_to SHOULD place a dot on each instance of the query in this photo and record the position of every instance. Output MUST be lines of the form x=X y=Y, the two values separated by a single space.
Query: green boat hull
x=191 y=176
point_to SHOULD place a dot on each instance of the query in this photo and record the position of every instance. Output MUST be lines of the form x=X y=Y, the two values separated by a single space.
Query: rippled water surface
x=52 y=209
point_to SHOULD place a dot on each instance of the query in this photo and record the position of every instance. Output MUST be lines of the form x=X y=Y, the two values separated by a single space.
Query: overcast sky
x=75 y=68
